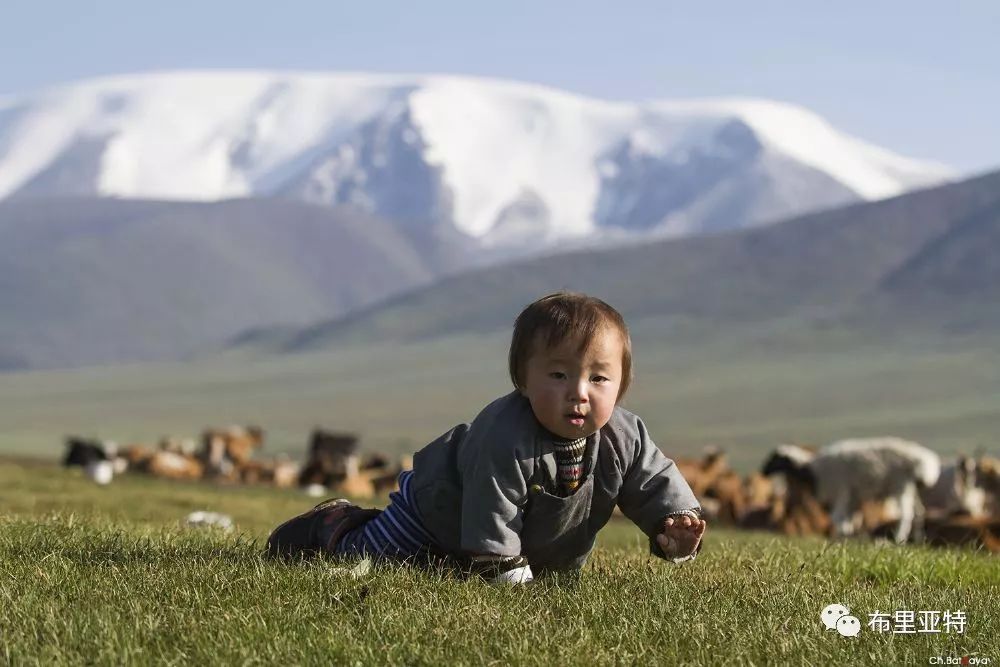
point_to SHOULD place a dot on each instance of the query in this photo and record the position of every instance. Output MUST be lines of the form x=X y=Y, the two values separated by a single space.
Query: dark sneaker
x=501 y=569
x=316 y=531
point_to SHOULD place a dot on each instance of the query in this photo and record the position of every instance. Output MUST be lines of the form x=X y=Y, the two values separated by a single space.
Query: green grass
x=111 y=576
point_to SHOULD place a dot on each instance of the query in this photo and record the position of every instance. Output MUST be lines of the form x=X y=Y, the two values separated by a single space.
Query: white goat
x=847 y=473
x=957 y=490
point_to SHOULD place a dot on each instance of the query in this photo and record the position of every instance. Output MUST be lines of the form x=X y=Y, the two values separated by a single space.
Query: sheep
x=763 y=502
x=794 y=509
x=281 y=473
x=988 y=479
x=174 y=466
x=957 y=491
x=223 y=451
x=185 y=446
x=847 y=473
x=702 y=473
x=98 y=458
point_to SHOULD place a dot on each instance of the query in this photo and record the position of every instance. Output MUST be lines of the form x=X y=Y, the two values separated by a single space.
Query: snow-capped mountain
x=499 y=162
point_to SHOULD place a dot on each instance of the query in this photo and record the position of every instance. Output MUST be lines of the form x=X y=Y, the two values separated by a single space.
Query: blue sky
x=922 y=79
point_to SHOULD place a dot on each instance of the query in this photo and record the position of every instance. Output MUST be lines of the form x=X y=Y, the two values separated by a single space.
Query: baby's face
x=574 y=394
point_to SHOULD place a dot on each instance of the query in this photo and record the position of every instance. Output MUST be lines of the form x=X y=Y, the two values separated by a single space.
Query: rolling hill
x=861 y=266
x=92 y=281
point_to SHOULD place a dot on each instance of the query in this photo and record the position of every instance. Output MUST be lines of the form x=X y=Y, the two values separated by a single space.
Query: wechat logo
x=838 y=617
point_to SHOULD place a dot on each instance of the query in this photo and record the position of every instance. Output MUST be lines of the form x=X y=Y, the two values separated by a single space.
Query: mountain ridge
x=506 y=164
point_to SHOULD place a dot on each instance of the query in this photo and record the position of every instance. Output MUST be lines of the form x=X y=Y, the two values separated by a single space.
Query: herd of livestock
x=228 y=455
x=881 y=487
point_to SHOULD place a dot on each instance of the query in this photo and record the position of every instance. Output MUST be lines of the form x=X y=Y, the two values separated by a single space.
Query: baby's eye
x=556 y=375
x=599 y=378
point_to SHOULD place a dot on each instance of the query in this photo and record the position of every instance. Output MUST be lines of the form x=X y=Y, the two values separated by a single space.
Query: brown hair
x=563 y=316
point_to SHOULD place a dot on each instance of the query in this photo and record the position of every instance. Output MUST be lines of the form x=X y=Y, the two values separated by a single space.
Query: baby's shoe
x=317 y=530
x=501 y=569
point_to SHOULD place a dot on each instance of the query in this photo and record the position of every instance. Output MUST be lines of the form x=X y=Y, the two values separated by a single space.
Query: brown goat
x=702 y=473
x=172 y=465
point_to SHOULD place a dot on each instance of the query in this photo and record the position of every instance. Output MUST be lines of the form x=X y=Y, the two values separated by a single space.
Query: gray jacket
x=484 y=487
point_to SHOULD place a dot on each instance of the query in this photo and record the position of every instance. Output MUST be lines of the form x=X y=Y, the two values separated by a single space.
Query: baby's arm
x=655 y=496
x=494 y=483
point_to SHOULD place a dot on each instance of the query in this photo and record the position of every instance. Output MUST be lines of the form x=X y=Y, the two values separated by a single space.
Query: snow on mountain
x=872 y=172
x=498 y=161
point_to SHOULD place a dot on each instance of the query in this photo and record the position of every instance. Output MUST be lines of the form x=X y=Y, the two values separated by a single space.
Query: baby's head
x=571 y=357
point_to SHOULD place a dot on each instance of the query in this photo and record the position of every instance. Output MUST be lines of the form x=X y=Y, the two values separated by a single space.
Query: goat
x=701 y=474
x=223 y=451
x=330 y=456
x=847 y=473
x=957 y=491
x=174 y=466
x=82 y=451
x=988 y=478
x=98 y=458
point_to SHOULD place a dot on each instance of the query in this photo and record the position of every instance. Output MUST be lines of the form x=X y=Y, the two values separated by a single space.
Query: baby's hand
x=681 y=536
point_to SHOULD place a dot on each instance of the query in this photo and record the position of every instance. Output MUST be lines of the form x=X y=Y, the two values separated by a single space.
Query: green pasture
x=92 y=575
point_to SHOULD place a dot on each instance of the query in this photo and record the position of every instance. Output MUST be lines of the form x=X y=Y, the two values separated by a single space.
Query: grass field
x=111 y=576
x=744 y=390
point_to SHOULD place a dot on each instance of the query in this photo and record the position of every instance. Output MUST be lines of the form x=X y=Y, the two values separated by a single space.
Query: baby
x=526 y=486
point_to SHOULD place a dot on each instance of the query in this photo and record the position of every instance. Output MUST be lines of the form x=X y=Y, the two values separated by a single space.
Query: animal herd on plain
x=880 y=487
x=227 y=455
